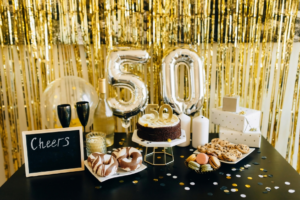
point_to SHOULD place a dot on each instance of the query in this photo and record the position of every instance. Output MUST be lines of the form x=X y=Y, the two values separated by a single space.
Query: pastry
x=202 y=158
x=210 y=150
x=236 y=152
x=214 y=162
x=215 y=141
x=123 y=154
x=191 y=158
x=223 y=143
x=212 y=154
x=159 y=130
x=103 y=164
x=218 y=153
x=198 y=148
x=229 y=156
x=218 y=147
x=206 y=168
x=242 y=148
x=193 y=165
x=231 y=146
x=203 y=149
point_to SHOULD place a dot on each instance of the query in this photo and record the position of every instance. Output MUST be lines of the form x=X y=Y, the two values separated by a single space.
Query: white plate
x=238 y=160
x=119 y=173
x=146 y=143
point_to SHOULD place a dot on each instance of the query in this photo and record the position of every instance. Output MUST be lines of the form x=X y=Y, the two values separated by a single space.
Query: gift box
x=231 y=103
x=239 y=121
x=251 y=137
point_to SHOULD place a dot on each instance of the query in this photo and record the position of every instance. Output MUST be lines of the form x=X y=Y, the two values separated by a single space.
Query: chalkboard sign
x=53 y=151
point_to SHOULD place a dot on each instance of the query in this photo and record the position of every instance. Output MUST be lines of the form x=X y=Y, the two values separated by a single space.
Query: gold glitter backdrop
x=248 y=49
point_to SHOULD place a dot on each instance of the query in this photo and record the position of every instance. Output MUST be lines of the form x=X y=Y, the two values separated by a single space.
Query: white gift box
x=239 y=121
x=231 y=103
x=250 y=138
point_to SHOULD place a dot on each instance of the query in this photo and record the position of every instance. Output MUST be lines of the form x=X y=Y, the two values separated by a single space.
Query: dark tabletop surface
x=83 y=185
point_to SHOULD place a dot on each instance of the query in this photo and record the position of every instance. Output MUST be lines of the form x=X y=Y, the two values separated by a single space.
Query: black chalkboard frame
x=50 y=131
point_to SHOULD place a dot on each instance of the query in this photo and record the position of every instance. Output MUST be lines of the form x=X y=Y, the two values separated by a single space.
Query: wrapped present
x=239 y=121
x=251 y=137
x=231 y=103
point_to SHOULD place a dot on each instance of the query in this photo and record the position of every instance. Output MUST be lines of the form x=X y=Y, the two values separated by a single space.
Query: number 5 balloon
x=170 y=77
x=120 y=79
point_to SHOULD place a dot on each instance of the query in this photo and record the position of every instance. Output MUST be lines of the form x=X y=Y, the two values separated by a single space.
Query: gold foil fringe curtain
x=246 y=47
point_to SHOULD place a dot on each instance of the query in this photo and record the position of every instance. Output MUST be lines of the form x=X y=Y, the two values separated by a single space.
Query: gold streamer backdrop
x=247 y=47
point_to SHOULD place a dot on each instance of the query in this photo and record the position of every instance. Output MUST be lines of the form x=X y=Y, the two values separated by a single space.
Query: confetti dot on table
x=250 y=178
x=260 y=176
x=174 y=177
x=247 y=186
x=192 y=183
x=123 y=139
x=268 y=189
x=247 y=166
x=161 y=177
x=228 y=177
x=233 y=169
x=162 y=184
x=155 y=179
x=158 y=157
x=234 y=190
x=121 y=181
x=265 y=192
x=265 y=176
x=258 y=151
x=215 y=183
x=223 y=188
x=168 y=174
x=228 y=174
x=270 y=175
x=242 y=168
x=191 y=149
x=169 y=140
x=264 y=157
x=187 y=188
x=135 y=182
x=261 y=169
x=234 y=184
x=98 y=187
x=108 y=151
x=181 y=183
x=259 y=183
x=291 y=191
x=181 y=156
x=209 y=194
x=121 y=143
x=287 y=183
x=221 y=173
x=276 y=187
x=255 y=163
x=239 y=176
x=226 y=190
x=243 y=195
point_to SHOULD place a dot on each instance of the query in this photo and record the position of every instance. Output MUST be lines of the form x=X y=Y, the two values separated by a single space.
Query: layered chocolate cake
x=159 y=130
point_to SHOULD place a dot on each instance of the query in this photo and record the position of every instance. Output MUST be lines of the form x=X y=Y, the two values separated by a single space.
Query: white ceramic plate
x=238 y=160
x=119 y=173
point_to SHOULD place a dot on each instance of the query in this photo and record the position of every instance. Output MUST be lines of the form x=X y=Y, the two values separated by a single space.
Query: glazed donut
x=123 y=156
x=103 y=164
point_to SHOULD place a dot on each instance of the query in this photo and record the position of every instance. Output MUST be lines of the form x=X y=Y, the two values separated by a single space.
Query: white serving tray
x=146 y=143
x=119 y=173
x=238 y=160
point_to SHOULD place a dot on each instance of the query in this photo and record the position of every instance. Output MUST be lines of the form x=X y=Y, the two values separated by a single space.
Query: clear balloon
x=120 y=79
x=67 y=90
x=170 y=76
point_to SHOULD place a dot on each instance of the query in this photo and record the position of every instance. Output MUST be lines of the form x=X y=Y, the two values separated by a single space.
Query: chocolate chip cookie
x=242 y=148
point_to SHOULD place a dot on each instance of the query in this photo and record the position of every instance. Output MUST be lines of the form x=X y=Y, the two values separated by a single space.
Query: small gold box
x=231 y=103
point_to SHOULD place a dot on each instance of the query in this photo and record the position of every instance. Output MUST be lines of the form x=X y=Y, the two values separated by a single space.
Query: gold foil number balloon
x=120 y=79
x=170 y=76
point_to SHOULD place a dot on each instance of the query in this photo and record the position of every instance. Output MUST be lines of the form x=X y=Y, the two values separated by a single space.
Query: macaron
x=202 y=158
x=191 y=158
x=206 y=168
x=194 y=166
x=214 y=162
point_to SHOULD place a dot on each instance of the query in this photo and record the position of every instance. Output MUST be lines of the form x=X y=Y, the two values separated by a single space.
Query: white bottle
x=186 y=126
x=200 y=131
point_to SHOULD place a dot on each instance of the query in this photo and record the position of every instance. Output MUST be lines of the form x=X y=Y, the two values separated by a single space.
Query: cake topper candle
x=170 y=111
x=159 y=115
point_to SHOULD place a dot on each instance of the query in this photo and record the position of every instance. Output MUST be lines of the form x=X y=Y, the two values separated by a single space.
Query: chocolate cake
x=158 y=130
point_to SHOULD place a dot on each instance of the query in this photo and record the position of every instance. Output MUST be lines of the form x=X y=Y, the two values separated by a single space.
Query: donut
x=123 y=156
x=103 y=164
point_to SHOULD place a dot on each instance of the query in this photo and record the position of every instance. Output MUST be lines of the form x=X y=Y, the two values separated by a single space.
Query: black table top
x=83 y=185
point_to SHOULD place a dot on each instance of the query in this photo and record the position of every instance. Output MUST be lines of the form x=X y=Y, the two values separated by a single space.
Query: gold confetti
x=169 y=140
x=242 y=112
x=228 y=177
x=123 y=139
x=242 y=168
x=234 y=184
x=146 y=125
x=98 y=187
x=121 y=181
x=160 y=177
x=121 y=143
x=247 y=186
x=265 y=176
x=181 y=156
x=158 y=157
x=181 y=183
x=155 y=179
x=250 y=178
x=226 y=191
x=261 y=169
x=235 y=189
x=135 y=181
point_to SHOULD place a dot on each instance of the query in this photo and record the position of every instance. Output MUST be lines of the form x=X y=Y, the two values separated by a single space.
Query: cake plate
x=166 y=145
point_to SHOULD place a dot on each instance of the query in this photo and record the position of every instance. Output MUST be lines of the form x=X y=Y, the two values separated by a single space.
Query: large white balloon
x=118 y=78
x=170 y=76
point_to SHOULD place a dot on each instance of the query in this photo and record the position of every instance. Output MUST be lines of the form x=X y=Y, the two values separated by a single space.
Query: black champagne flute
x=83 y=112
x=64 y=114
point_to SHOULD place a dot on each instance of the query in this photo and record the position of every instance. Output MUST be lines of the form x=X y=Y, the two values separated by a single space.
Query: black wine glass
x=83 y=112
x=64 y=114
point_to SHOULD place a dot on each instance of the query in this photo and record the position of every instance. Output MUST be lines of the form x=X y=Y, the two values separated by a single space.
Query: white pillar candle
x=186 y=126
x=200 y=131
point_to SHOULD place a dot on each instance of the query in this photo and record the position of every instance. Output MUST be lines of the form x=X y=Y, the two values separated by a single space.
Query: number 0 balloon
x=170 y=76
x=120 y=79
